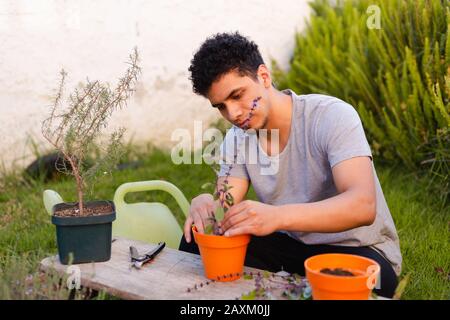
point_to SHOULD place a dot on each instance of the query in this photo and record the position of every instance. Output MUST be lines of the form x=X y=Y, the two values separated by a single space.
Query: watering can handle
x=50 y=199
x=119 y=196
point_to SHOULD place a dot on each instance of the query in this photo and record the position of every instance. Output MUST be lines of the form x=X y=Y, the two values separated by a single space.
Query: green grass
x=423 y=224
x=27 y=236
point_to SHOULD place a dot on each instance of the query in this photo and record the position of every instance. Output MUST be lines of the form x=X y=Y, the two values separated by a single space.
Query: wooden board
x=167 y=277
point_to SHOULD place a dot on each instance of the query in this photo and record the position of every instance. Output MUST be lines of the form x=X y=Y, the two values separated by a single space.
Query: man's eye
x=236 y=97
x=218 y=106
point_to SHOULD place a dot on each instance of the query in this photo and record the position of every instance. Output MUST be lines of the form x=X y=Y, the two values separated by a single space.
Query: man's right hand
x=204 y=204
x=201 y=207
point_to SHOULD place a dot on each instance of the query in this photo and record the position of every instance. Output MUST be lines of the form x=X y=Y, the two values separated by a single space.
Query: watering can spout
x=51 y=198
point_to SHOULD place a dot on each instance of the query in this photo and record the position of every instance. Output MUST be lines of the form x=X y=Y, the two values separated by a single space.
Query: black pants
x=279 y=251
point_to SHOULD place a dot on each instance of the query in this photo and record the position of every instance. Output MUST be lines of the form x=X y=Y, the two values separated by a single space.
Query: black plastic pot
x=88 y=239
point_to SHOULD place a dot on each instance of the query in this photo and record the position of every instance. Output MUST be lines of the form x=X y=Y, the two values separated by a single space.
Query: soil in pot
x=72 y=210
x=339 y=272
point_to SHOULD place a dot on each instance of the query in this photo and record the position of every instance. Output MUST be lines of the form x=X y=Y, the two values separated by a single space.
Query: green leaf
x=209 y=229
x=249 y=296
x=229 y=201
x=207 y=185
x=226 y=187
x=219 y=214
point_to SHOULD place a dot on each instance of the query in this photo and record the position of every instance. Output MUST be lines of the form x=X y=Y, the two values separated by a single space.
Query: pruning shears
x=138 y=260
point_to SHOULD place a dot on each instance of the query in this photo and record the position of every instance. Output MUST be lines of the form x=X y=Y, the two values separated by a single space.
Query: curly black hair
x=220 y=54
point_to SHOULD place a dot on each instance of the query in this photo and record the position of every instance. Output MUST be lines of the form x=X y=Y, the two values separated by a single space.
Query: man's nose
x=235 y=113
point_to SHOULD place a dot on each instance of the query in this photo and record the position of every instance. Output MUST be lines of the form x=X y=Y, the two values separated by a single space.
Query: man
x=324 y=196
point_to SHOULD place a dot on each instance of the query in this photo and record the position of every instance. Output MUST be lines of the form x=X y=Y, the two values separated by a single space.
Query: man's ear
x=264 y=76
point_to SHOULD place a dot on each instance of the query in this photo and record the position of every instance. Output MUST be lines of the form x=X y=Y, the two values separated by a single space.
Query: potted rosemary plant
x=83 y=228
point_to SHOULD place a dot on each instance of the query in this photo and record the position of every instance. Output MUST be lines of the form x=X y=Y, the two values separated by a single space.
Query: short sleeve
x=232 y=158
x=340 y=134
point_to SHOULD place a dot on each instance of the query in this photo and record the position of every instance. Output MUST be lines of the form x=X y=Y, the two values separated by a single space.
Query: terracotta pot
x=223 y=257
x=334 y=287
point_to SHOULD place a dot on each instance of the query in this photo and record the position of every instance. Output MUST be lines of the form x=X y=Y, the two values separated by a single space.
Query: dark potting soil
x=337 y=272
x=74 y=211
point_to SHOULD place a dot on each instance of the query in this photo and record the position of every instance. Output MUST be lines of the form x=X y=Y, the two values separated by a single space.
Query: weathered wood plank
x=167 y=277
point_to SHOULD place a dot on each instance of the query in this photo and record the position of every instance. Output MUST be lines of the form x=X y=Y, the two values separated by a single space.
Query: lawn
x=27 y=235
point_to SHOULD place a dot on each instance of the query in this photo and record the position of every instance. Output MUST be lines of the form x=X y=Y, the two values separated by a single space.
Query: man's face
x=233 y=94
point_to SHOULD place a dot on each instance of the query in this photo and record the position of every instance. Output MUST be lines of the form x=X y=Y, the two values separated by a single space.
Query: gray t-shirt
x=324 y=131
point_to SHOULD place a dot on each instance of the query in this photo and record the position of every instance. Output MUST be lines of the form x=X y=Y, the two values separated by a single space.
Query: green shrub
x=397 y=77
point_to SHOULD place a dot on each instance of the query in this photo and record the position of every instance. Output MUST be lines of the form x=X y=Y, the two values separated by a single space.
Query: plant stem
x=222 y=192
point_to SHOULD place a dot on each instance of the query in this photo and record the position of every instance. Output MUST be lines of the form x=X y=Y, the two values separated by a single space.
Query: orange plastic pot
x=222 y=257
x=334 y=287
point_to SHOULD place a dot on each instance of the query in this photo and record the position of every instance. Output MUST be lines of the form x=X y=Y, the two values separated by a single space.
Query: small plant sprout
x=222 y=192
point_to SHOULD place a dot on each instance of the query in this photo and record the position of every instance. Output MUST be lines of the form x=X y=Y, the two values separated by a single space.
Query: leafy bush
x=397 y=76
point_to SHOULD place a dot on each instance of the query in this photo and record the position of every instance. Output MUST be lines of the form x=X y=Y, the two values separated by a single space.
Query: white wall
x=94 y=38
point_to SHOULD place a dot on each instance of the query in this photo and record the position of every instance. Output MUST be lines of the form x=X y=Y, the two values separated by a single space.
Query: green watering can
x=148 y=221
x=145 y=221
